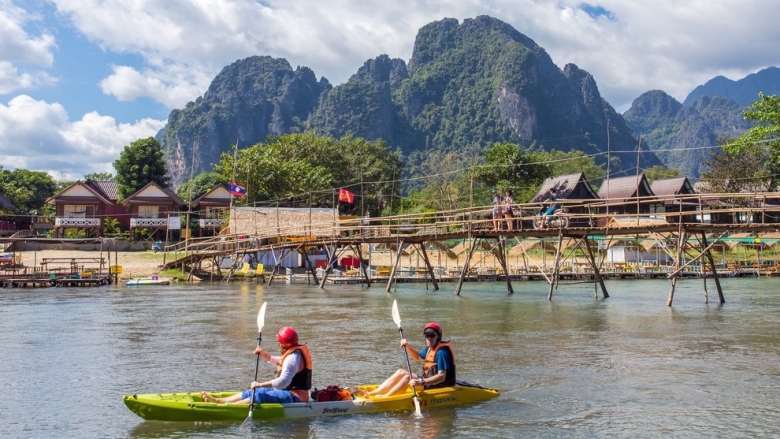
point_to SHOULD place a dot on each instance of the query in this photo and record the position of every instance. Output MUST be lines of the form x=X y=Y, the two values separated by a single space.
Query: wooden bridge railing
x=744 y=210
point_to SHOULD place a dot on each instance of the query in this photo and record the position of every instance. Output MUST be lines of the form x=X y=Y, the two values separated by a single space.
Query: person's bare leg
x=389 y=383
x=401 y=386
x=232 y=398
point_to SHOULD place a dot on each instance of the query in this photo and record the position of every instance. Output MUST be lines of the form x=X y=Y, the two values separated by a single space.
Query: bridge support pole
x=712 y=268
x=556 y=265
x=466 y=266
x=500 y=252
x=401 y=248
x=677 y=262
x=595 y=267
x=428 y=265
x=307 y=264
x=359 y=252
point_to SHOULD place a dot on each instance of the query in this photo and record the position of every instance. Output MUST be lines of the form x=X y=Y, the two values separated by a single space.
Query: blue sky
x=80 y=79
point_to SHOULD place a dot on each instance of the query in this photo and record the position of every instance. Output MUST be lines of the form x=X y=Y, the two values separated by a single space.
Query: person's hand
x=417 y=382
x=255 y=384
x=259 y=351
x=404 y=343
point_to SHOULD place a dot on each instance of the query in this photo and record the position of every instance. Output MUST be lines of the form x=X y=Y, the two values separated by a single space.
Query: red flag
x=346 y=196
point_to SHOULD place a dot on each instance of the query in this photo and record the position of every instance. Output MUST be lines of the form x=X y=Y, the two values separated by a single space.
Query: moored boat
x=191 y=407
x=154 y=280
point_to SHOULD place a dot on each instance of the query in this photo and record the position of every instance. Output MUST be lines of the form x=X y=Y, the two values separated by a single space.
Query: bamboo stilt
x=401 y=246
x=501 y=253
x=714 y=270
x=556 y=265
x=430 y=268
x=466 y=266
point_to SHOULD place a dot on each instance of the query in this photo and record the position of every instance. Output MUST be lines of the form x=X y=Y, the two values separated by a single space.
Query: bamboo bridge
x=686 y=233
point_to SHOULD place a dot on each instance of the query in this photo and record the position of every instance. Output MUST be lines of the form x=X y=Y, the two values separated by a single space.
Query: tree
x=765 y=112
x=201 y=184
x=507 y=166
x=660 y=173
x=99 y=176
x=446 y=183
x=306 y=168
x=140 y=163
x=734 y=170
x=572 y=162
x=27 y=190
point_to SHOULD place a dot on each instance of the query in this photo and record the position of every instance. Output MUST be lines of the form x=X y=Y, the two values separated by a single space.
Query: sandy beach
x=134 y=263
x=147 y=263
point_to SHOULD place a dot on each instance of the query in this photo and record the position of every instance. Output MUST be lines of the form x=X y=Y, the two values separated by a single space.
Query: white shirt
x=292 y=365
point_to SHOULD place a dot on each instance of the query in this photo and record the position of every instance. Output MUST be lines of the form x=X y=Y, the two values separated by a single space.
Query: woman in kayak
x=438 y=360
x=293 y=374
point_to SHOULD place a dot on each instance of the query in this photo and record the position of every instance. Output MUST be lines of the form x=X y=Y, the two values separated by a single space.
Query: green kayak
x=191 y=407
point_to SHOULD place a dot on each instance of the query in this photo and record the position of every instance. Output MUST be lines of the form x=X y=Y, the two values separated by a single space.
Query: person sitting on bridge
x=552 y=198
x=438 y=366
x=293 y=374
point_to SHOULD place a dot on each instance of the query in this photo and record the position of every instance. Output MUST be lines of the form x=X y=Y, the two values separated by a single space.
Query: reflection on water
x=627 y=366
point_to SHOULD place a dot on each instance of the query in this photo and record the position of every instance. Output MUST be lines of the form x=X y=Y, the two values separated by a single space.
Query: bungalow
x=570 y=187
x=154 y=207
x=672 y=196
x=84 y=205
x=627 y=196
x=211 y=209
x=7 y=226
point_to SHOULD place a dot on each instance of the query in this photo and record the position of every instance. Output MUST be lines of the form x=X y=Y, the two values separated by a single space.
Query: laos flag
x=236 y=190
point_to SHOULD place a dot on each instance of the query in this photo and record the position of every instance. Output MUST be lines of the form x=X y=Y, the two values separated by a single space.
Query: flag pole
x=233 y=181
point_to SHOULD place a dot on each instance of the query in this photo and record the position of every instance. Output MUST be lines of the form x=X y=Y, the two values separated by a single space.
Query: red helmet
x=287 y=337
x=435 y=326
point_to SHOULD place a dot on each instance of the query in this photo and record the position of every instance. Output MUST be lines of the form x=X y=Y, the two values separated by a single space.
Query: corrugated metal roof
x=5 y=203
x=672 y=186
x=571 y=186
x=625 y=187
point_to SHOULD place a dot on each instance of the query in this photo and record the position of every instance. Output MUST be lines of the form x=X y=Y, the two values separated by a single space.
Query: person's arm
x=273 y=359
x=289 y=369
x=413 y=354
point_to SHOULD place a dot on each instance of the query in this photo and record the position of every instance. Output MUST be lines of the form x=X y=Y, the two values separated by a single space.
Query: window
x=75 y=211
x=148 y=211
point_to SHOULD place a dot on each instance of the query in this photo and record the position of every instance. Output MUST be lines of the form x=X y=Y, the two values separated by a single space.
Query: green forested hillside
x=681 y=136
x=468 y=86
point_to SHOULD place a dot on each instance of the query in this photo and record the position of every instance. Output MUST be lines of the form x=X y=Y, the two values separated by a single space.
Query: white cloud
x=37 y=135
x=17 y=47
x=638 y=46
x=171 y=86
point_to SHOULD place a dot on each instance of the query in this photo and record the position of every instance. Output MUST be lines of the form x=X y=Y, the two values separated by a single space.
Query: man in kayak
x=438 y=360
x=293 y=374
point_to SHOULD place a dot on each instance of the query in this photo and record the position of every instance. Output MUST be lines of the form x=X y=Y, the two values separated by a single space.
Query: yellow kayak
x=191 y=407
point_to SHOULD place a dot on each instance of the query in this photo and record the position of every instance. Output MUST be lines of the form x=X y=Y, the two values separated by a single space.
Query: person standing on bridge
x=498 y=212
x=508 y=212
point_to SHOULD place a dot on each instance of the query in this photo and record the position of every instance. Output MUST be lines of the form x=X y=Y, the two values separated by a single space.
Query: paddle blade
x=417 y=411
x=248 y=421
x=396 y=315
x=261 y=318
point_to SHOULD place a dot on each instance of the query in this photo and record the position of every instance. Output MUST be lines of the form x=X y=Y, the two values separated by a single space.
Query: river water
x=628 y=366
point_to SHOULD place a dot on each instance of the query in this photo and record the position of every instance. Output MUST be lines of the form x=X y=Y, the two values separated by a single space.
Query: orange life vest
x=301 y=382
x=429 y=365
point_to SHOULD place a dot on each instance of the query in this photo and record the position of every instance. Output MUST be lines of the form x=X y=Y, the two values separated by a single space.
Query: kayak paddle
x=260 y=323
x=397 y=319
